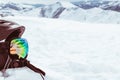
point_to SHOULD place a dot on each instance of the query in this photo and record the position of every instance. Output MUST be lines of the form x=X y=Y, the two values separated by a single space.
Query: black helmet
x=10 y=30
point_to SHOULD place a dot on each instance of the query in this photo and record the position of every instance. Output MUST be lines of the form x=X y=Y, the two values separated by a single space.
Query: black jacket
x=8 y=31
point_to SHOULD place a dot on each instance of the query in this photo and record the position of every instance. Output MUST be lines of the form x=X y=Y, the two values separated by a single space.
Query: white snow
x=65 y=10
x=67 y=4
x=94 y=15
x=70 y=50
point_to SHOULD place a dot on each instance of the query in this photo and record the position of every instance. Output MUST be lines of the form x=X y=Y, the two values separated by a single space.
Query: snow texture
x=69 y=50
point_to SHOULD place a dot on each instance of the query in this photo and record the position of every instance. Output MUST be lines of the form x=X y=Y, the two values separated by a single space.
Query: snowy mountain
x=103 y=4
x=94 y=15
x=83 y=11
x=12 y=9
x=55 y=10
x=87 y=4
x=113 y=5
x=52 y=11
x=49 y=11
x=90 y=11
x=69 y=50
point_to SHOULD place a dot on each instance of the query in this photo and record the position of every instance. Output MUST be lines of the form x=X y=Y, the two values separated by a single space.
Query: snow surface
x=94 y=15
x=69 y=50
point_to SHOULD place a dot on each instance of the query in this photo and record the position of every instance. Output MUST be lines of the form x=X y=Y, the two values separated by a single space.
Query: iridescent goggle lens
x=19 y=46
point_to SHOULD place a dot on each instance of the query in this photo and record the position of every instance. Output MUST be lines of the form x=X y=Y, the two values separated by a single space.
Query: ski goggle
x=19 y=46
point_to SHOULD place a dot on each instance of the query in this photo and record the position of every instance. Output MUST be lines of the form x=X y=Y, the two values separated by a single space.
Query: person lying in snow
x=13 y=48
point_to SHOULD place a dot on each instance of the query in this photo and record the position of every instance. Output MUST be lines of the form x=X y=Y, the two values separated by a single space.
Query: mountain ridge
x=86 y=11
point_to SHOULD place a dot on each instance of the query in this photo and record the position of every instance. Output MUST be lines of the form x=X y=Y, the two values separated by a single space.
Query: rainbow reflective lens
x=19 y=46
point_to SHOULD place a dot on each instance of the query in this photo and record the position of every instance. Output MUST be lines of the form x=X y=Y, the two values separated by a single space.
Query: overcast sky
x=36 y=1
x=44 y=1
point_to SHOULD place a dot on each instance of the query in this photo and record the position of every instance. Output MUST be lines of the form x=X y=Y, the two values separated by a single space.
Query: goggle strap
x=9 y=60
x=6 y=66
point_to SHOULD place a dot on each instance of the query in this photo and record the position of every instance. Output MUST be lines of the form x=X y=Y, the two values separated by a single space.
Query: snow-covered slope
x=94 y=15
x=113 y=5
x=103 y=4
x=13 y=9
x=69 y=50
x=98 y=12
x=54 y=10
